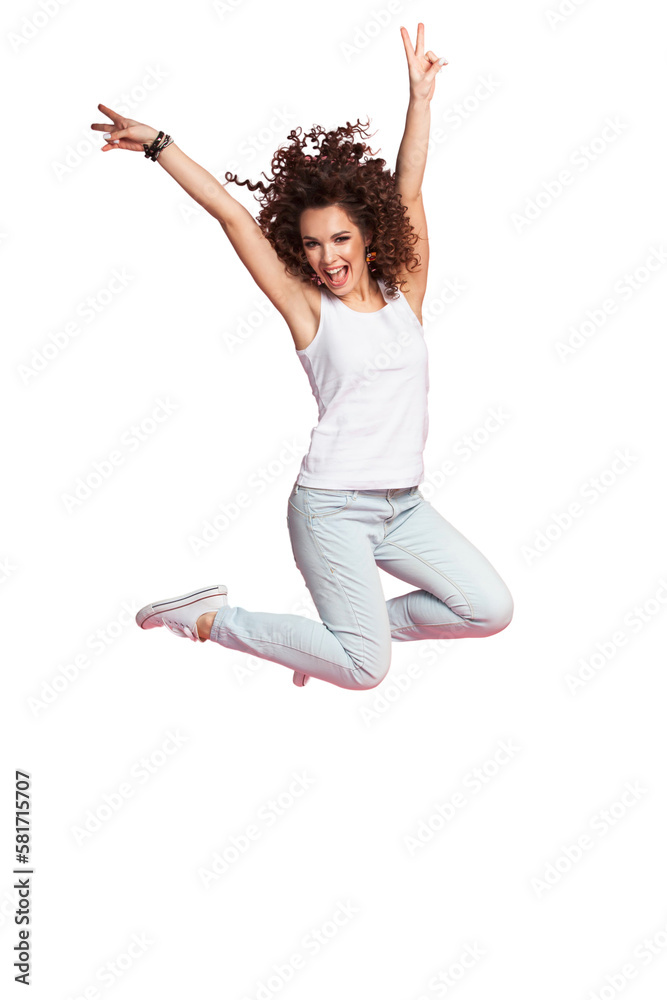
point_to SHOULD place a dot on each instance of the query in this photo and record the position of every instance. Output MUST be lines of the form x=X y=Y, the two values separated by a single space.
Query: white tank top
x=369 y=375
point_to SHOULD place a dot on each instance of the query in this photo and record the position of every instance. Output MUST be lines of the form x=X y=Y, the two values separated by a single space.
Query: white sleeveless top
x=369 y=375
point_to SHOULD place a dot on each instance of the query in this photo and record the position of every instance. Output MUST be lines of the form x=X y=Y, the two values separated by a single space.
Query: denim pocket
x=297 y=502
x=323 y=503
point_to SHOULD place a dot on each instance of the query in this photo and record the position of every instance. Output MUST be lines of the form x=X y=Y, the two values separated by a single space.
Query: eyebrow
x=343 y=232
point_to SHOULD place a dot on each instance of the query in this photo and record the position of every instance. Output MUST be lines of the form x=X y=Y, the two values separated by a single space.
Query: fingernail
x=442 y=61
x=107 y=135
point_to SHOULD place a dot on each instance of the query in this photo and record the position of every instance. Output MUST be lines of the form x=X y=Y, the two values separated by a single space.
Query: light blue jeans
x=339 y=539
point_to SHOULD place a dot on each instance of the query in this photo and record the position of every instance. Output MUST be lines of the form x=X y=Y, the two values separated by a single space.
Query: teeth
x=337 y=271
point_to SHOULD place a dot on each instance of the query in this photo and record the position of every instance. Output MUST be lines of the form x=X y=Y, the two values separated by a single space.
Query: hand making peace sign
x=422 y=67
x=125 y=132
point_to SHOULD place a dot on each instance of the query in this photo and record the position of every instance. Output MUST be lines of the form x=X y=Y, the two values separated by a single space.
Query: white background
x=525 y=96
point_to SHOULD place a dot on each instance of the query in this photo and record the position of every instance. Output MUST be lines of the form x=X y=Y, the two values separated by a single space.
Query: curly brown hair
x=365 y=190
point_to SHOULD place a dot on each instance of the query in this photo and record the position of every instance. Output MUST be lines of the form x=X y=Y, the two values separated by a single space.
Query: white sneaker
x=300 y=679
x=180 y=614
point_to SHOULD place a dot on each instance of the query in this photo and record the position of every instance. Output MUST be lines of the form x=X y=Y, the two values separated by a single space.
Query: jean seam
x=360 y=631
x=460 y=624
x=296 y=508
x=329 y=513
x=273 y=642
x=441 y=574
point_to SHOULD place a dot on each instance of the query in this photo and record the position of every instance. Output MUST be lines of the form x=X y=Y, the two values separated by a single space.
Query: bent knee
x=371 y=673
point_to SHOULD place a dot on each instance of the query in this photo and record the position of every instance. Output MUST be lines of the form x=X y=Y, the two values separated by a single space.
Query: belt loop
x=354 y=494
x=296 y=489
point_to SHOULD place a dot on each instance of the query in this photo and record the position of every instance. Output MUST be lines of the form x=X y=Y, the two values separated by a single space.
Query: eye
x=311 y=243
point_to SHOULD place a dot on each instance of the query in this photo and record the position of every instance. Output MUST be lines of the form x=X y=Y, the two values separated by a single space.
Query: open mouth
x=338 y=276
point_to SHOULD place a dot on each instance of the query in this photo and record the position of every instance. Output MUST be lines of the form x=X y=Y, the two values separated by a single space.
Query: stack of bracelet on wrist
x=159 y=143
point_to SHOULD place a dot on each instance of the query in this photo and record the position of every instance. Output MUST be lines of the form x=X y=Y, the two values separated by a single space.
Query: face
x=331 y=241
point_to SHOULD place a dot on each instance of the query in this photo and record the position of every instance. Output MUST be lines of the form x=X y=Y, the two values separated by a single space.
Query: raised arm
x=284 y=290
x=411 y=159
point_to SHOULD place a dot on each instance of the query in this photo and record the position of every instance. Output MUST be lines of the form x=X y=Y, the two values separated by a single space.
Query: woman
x=355 y=504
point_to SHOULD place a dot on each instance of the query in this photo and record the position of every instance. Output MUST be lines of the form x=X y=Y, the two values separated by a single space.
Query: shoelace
x=180 y=629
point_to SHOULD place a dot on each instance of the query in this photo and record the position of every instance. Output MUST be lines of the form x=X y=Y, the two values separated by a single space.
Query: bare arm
x=201 y=185
x=248 y=240
x=412 y=153
x=411 y=159
x=284 y=290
